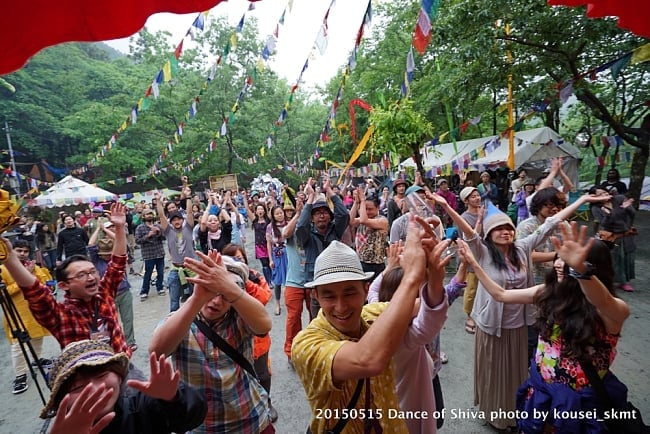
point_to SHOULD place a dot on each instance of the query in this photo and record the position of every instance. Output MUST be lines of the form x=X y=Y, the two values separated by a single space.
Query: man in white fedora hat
x=343 y=358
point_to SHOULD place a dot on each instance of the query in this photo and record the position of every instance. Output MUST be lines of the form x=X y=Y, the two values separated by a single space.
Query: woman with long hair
x=259 y=223
x=579 y=320
x=276 y=246
x=501 y=339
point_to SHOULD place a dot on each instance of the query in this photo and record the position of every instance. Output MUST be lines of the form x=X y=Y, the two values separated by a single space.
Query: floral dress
x=279 y=256
x=567 y=370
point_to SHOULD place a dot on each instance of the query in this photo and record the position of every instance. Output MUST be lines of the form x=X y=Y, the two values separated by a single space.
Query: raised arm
x=118 y=218
x=164 y=223
x=371 y=354
x=290 y=228
x=461 y=223
x=520 y=296
x=573 y=249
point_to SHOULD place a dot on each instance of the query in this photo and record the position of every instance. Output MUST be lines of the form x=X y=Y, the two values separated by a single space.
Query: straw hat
x=86 y=353
x=337 y=263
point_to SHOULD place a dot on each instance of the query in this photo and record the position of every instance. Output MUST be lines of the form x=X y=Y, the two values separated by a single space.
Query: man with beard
x=88 y=308
x=150 y=238
x=318 y=226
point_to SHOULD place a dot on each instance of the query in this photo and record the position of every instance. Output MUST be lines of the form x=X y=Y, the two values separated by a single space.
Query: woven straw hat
x=337 y=263
x=86 y=353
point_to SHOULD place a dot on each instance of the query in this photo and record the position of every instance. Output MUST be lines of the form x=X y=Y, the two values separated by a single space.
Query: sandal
x=278 y=311
x=133 y=347
x=470 y=326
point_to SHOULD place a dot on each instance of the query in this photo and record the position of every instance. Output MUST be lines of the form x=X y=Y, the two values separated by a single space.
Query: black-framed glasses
x=84 y=275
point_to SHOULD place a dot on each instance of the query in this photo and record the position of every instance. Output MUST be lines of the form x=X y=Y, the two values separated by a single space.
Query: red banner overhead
x=632 y=14
x=26 y=27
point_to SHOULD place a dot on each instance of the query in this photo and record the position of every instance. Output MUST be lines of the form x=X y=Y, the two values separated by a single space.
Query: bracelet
x=238 y=297
x=582 y=276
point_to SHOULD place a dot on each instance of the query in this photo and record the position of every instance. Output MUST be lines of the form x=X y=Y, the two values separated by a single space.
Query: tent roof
x=72 y=191
x=530 y=145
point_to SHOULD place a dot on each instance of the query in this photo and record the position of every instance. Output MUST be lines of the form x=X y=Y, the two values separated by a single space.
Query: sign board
x=224 y=182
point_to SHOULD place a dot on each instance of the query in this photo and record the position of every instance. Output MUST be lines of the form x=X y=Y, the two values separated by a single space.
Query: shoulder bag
x=224 y=346
x=631 y=421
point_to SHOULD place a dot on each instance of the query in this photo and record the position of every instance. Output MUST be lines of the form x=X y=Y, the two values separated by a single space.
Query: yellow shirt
x=313 y=353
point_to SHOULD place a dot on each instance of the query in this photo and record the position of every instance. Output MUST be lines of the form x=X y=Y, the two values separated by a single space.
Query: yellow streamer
x=357 y=152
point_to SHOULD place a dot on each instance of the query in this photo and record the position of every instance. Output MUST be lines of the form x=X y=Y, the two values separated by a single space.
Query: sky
x=295 y=38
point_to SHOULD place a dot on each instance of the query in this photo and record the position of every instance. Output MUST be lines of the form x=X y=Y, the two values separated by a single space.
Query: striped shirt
x=73 y=319
x=236 y=401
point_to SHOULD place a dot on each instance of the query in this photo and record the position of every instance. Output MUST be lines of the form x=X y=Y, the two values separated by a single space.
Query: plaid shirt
x=150 y=247
x=72 y=320
x=236 y=402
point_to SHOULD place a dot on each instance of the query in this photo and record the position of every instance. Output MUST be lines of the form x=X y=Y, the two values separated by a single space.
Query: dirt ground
x=19 y=413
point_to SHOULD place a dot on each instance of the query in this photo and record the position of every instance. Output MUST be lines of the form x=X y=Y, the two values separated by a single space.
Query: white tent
x=533 y=149
x=72 y=191
x=148 y=195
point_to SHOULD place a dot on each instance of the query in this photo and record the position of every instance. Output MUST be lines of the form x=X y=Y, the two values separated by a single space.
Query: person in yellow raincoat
x=35 y=330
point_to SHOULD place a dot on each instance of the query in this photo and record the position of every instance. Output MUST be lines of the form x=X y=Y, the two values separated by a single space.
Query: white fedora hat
x=337 y=263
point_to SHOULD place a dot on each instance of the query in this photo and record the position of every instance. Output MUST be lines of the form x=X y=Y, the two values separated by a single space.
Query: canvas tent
x=533 y=150
x=72 y=191
x=148 y=195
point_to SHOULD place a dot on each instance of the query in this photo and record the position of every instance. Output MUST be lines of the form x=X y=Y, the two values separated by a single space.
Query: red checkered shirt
x=72 y=320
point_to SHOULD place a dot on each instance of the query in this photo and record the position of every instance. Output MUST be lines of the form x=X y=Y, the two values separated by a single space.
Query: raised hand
x=574 y=246
x=211 y=275
x=466 y=253
x=164 y=380
x=118 y=214
x=393 y=252
x=83 y=415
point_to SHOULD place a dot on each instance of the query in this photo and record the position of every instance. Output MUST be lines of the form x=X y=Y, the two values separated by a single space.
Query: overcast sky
x=296 y=36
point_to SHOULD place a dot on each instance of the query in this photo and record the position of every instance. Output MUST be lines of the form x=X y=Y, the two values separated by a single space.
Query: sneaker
x=444 y=358
x=161 y=292
x=45 y=363
x=627 y=287
x=273 y=413
x=143 y=297
x=184 y=298
x=20 y=384
x=131 y=271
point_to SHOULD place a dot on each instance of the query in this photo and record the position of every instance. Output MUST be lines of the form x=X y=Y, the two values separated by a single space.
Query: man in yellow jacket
x=35 y=330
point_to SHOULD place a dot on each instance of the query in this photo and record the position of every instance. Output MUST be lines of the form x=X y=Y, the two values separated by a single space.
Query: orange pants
x=293 y=300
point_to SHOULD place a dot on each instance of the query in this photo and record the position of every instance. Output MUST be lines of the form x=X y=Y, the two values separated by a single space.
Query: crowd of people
x=369 y=264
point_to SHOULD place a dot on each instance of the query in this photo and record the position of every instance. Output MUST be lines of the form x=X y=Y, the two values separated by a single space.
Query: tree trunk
x=639 y=162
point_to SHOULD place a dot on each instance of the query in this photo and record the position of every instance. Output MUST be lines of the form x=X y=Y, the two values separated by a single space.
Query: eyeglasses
x=84 y=275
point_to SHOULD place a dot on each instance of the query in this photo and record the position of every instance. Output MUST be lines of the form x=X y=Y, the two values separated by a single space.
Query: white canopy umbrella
x=72 y=191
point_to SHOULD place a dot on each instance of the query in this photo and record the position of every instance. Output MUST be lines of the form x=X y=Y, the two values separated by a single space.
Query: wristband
x=583 y=276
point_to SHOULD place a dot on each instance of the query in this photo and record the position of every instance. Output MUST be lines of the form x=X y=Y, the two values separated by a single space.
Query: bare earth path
x=19 y=413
